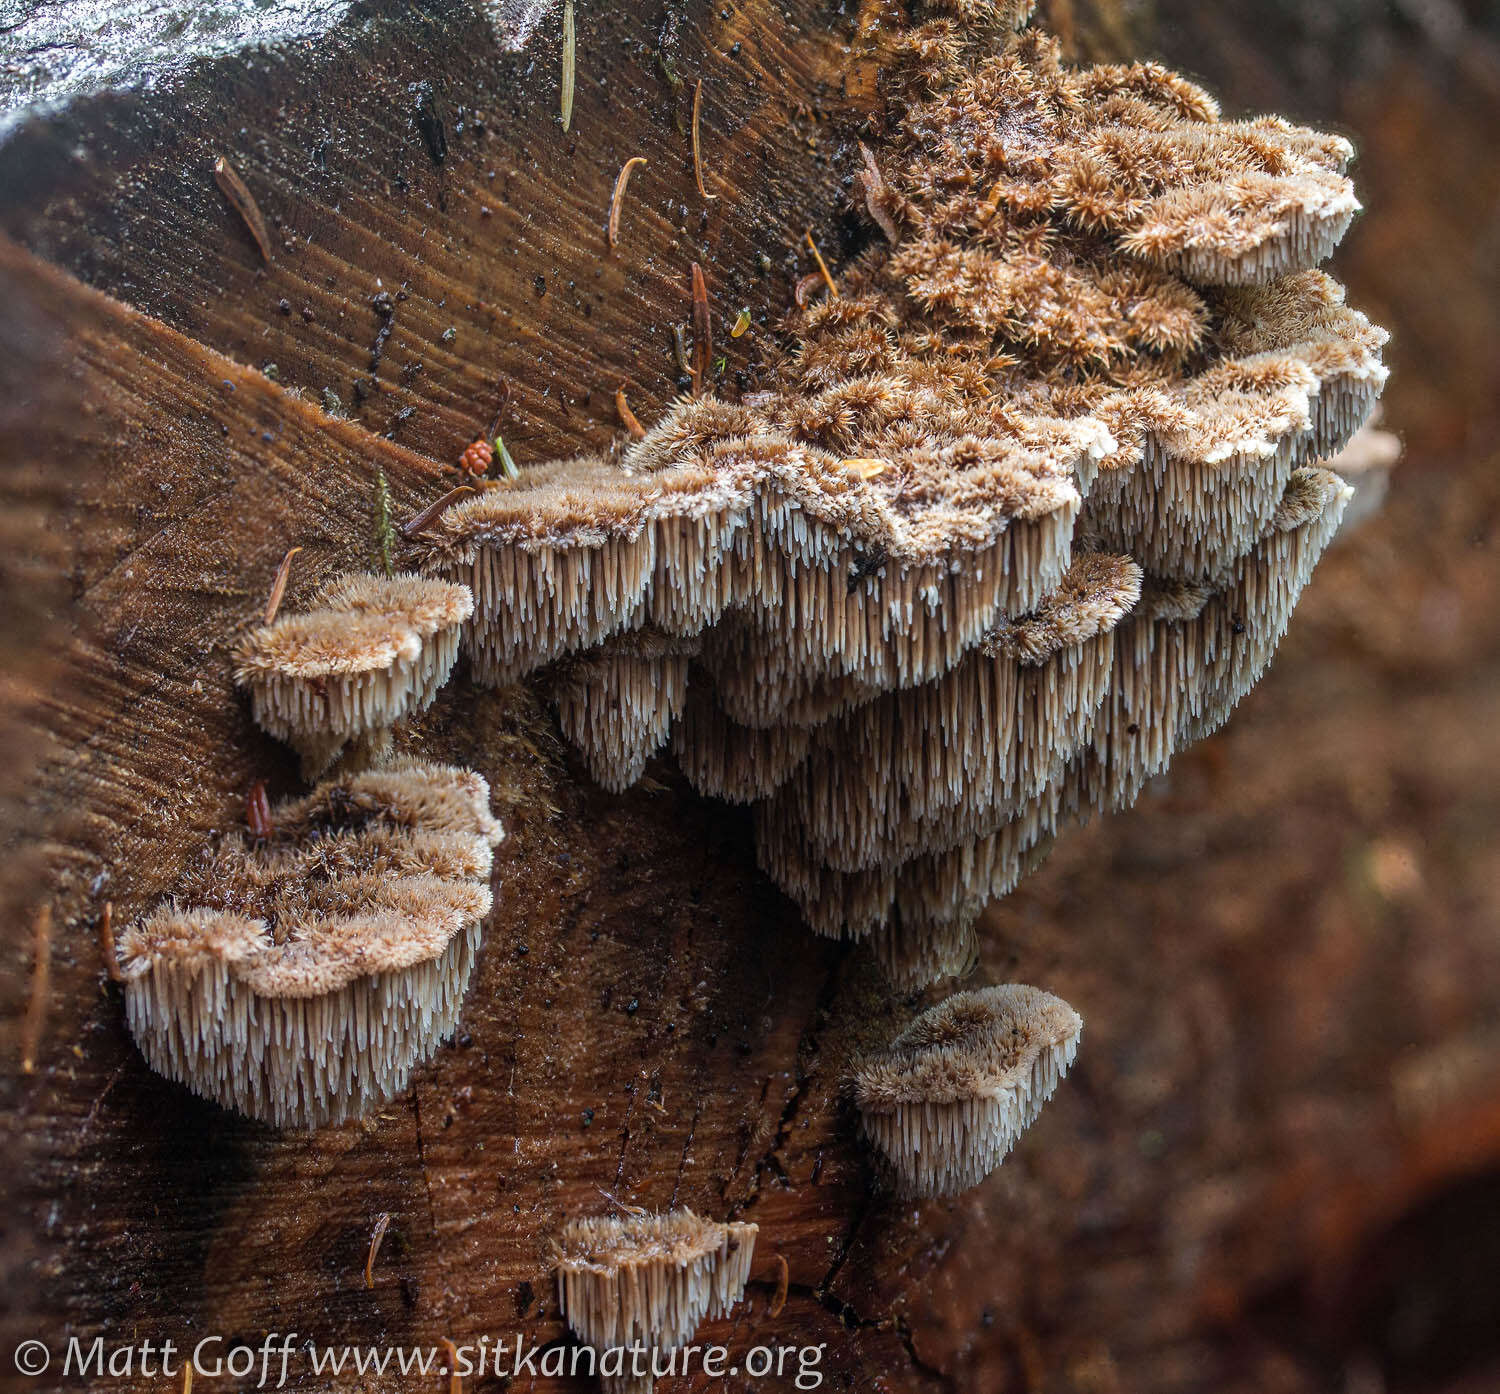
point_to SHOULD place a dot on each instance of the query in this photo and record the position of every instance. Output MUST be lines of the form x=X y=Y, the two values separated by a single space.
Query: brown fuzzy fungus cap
x=649 y=1280
x=372 y=650
x=946 y=1101
x=1021 y=507
x=299 y=979
x=720 y=510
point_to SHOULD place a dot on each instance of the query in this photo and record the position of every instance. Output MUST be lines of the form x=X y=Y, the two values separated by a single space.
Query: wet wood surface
x=646 y=1008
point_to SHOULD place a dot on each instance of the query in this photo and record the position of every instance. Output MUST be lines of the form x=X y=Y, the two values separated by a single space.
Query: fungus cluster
x=647 y=1281
x=372 y=650
x=945 y=1102
x=299 y=978
x=1019 y=509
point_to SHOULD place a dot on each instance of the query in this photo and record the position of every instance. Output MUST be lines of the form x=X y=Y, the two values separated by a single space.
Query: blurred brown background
x=1297 y=933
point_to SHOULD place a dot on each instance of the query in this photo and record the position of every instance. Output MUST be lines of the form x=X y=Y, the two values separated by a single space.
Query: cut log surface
x=644 y=998
x=649 y=1024
x=434 y=232
x=647 y=1009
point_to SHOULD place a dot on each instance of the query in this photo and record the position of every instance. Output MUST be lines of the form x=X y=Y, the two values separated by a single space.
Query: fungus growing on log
x=648 y=1281
x=1016 y=513
x=945 y=1102
x=372 y=650
x=617 y=702
x=298 y=979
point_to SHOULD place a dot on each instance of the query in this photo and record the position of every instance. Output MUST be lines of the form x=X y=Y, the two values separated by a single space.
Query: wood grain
x=646 y=1007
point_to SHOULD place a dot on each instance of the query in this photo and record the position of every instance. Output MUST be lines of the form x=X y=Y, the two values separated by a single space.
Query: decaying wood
x=644 y=999
x=501 y=242
x=649 y=1025
x=637 y=1018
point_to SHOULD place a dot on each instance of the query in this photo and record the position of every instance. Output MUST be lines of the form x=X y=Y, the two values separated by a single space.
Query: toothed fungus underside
x=299 y=979
x=649 y=1280
x=372 y=650
x=947 y=1099
x=1018 y=512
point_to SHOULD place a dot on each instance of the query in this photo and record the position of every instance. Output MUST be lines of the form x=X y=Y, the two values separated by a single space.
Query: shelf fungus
x=372 y=650
x=645 y=1282
x=298 y=979
x=947 y=1099
x=1015 y=513
x=617 y=702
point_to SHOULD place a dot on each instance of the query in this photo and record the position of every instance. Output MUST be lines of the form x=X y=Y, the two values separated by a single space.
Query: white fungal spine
x=649 y=1280
x=617 y=703
x=373 y=650
x=305 y=978
x=295 y=1062
x=948 y=1099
